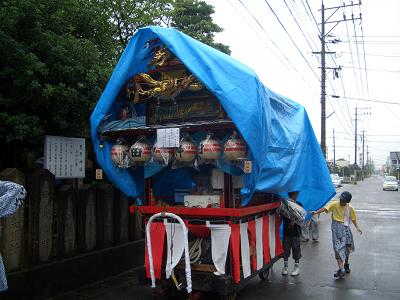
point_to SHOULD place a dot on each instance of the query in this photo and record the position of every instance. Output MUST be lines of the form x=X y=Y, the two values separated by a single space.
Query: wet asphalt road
x=375 y=265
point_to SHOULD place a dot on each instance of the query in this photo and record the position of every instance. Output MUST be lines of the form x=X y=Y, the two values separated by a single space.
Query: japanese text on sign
x=64 y=157
x=168 y=137
x=248 y=166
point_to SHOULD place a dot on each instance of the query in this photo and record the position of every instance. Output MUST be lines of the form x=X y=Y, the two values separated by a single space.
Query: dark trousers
x=291 y=243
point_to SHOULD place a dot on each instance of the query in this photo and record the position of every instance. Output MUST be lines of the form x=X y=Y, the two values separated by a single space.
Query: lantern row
x=209 y=149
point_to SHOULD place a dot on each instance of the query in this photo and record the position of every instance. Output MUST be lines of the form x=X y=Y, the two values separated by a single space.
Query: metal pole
x=323 y=79
x=363 y=156
x=355 y=149
x=355 y=139
x=334 y=152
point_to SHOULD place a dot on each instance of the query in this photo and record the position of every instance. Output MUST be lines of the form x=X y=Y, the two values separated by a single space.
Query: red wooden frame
x=206 y=212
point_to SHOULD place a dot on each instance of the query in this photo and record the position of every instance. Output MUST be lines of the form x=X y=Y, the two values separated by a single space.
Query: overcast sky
x=280 y=51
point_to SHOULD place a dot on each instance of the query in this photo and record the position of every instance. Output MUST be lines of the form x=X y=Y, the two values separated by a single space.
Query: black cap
x=346 y=197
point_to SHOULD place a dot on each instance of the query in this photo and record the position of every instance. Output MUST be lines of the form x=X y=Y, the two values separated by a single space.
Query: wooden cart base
x=205 y=282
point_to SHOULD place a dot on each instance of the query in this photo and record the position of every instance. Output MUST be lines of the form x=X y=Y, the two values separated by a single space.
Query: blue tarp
x=282 y=145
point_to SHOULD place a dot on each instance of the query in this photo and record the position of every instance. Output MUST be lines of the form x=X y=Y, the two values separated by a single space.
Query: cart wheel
x=230 y=296
x=264 y=274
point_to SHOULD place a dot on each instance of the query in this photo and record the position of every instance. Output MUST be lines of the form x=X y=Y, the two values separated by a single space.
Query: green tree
x=54 y=62
x=194 y=18
x=127 y=16
x=56 y=57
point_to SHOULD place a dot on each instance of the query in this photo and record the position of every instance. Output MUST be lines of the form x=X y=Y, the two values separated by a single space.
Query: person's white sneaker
x=296 y=270
x=285 y=271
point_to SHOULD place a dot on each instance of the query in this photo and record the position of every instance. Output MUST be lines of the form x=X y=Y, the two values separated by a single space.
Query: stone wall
x=62 y=222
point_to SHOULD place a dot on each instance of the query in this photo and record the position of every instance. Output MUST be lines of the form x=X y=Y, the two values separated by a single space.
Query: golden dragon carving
x=166 y=88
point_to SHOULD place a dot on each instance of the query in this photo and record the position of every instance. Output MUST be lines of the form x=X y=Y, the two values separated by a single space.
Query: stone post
x=121 y=218
x=40 y=206
x=105 y=216
x=86 y=214
x=66 y=221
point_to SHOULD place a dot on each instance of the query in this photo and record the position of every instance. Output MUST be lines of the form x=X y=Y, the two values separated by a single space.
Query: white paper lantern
x=210 y=149
x=163 y=155
x=119 y=155
x=140 y=151
x=235 y=149
x=186 y=151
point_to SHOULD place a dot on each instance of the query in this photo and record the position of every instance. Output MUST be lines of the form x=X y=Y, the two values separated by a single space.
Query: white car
x=336 y=181
x=390 y=183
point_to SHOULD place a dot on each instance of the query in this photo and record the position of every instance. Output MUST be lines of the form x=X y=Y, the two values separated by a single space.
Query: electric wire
x=376 y=54
x=276 y=46
x=388 y=42
x=351 y=51
x=371 y=100
x=346 y=101
x=294 y=43
x=350 y=124
x=304 y=20
x=258 y=33
x=340 y=107
x=358 y=54
x=348 y=117
x=330 y=83
x=375 y=70
x=308 y=5
x=298 y=25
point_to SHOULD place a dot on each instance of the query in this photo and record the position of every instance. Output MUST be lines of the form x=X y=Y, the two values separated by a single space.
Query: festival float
x=208 y=152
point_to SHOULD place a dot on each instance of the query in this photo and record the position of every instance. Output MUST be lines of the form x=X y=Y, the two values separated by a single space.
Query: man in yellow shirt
x=342 y=238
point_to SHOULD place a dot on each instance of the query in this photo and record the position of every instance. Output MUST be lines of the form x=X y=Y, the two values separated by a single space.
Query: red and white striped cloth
x=253 y=244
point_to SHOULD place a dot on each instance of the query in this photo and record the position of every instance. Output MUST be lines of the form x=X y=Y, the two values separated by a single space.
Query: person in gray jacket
x=12 y=196
x=312 y=225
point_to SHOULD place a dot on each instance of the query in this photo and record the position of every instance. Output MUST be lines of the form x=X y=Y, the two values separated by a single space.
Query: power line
x=375 y=70
x=365 y=61
x=294 y=43
x=324 y=68
x=351 y=54
x=383 y=36
x=349 y=139
x=350 y=124
x=383 y=42
x=300 y=16
x=276 y=46
x=348 y=147
x=391 y=135
x=358 y=53
x=369 y=100
x=376 y=54
x=340 y=107
x=332 y=58
x=389 y=142
x=311 y=14
x=298 y=25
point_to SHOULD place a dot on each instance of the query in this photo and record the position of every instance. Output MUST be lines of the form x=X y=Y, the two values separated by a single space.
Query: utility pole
x=362 y=165
x=323 y=83
x=355 y=143
x=334 y=152
x=355 y=148
x=323 y=67
x=355 y=140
